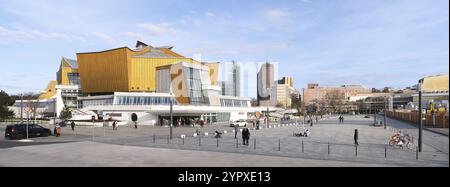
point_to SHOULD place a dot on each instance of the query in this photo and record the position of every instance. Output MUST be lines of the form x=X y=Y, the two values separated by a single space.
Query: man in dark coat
x=72 y=125
x=355 y=137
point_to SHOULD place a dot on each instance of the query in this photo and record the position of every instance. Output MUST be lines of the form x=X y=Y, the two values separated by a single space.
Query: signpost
x=28 y=110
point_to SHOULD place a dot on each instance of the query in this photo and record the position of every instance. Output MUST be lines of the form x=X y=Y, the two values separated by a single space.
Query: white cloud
x=210 y=14
x=160 y=29
x=102 y=36
x=9 y=34
x=132 y=35
x=276 y=14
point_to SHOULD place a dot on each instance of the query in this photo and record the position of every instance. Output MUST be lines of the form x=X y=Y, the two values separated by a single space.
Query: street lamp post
x=21 y=108
x=171 y=117
x=267 y=116
x=420 y=119
x=385 y=111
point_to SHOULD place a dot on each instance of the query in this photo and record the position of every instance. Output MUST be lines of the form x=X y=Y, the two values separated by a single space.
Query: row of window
x=143 y=100
x=233 y=103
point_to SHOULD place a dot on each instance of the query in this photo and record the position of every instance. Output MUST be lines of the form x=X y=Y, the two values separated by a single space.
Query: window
x=74 y=78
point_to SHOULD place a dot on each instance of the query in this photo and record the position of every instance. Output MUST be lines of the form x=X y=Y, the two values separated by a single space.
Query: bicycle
x=398 y=140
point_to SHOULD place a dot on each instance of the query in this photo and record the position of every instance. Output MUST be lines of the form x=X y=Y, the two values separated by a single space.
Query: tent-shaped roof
x=72 y=63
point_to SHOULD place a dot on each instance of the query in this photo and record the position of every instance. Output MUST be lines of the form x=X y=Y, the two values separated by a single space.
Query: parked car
x=239 y=123
x=19 y=131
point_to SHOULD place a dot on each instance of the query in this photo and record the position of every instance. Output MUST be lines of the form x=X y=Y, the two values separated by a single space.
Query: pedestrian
x=135 y=124
x=202 y=123
x=236 y=129
x=257 y=124
x=317 y=119
x=114 y=125
x=72 y=125
x=244 y=136
x=247 y=135
x=355 y=137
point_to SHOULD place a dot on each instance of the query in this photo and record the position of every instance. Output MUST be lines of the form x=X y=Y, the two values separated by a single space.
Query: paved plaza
x=330 y=144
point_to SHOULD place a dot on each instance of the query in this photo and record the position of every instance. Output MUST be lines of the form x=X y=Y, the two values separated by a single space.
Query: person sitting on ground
x=307 y=133
x=218 y=134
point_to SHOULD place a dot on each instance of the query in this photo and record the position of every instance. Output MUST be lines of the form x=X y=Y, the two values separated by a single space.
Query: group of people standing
x=341 y=119
x=245 y=134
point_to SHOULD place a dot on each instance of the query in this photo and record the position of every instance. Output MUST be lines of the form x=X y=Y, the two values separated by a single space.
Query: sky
x=331 y=42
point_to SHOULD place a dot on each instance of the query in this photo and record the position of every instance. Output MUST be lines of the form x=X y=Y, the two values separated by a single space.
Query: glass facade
x=194 y=86
x=144 y=100
x=70 y=99
x=74 y=78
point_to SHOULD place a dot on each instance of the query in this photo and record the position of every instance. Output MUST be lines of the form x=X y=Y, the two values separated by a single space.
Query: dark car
x=19 y=131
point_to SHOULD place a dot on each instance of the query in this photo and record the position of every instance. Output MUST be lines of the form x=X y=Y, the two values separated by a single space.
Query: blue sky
x=330 y=42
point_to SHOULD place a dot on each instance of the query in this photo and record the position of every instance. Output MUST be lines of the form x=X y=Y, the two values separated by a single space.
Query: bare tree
x=335 y=100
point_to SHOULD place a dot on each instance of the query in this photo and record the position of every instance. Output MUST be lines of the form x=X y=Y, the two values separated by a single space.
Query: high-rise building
x=231 y=86
x=265 y=82
x=281 y=95
x=287 y=81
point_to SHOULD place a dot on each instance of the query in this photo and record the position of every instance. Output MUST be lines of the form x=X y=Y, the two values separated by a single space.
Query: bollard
x=302 y=146
x=356 y=150
x=279 y=145
x=154 y=138
x=385 y=151
x=417 y=154
x=183 y=141
x=217 y=142
x=199 y=141
x=254 y=143
x=236 y=143
x=328 y=148
x=167 y=139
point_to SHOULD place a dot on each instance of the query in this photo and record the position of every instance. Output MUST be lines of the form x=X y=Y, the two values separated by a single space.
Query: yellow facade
x=122 y=70
x=435 y=83
x=142 y=72
x=64 y=70
x=50 y=91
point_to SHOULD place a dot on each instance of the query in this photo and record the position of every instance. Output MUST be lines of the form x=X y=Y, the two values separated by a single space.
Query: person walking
x=247 y=136
x=72 y=125
x=135 y=124
x=342 y=119
x=355 y=137
x=244 y=136
x=236 y=129
x=114 y=125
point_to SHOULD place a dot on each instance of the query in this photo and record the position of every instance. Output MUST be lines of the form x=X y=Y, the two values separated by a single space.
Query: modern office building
x=231 y=85
x=265 y=83
x=434 y=88
x=282 y=95
x=287 y=81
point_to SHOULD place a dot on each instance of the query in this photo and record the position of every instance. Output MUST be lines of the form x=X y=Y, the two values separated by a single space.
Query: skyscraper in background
x=231 y=86
x=265 y=81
